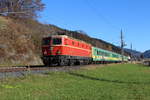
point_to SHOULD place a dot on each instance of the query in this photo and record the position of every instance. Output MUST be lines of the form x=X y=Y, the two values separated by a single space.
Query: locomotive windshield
x=46 y=41
x=57 y=41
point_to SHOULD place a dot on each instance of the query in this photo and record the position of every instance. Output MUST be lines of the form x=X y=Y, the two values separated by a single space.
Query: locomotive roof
x=65 y=36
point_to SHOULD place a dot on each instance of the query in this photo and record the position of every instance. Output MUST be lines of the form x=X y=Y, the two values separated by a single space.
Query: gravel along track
x=22 y=71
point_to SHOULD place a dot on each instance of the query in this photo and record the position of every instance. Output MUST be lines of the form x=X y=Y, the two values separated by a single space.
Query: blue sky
x=103 y=19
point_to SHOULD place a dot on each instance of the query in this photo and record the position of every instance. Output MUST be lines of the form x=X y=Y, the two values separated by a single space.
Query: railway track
x=16 y=69
x=12 y=69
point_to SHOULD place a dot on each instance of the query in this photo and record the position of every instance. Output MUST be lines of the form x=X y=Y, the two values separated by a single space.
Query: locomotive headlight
x=58 y=52
x=51 y=48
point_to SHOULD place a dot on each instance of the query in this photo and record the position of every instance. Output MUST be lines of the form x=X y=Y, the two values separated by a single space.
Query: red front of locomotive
x=52 y=46
x=65 y=50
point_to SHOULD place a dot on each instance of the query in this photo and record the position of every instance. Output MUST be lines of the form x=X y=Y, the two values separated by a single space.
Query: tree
x=21 y=8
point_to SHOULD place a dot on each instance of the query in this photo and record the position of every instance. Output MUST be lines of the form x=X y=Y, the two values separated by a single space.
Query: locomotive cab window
x=57 y=41
x=46 y=41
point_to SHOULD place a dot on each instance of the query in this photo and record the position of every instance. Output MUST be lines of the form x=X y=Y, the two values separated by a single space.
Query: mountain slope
x=146 y=54
x=134 y=52
x=16 y=46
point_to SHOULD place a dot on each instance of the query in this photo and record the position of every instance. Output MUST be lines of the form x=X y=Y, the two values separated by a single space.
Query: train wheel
x=71 y=63
x=61 y=63
x=47 y=64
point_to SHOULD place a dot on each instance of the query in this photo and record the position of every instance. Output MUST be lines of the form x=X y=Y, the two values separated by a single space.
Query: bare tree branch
x=21 y=8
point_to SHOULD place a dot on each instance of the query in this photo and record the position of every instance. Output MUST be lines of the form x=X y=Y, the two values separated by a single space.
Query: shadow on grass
x=104 y=80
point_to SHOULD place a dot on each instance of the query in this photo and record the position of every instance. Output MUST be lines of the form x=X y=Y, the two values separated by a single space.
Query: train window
x=57 y=41
x=107 y=54
x=87 y=47
x=66 y=42
x=95 y=52
x=99 y=52
x=82 y=45
x=72 y=42
x=103 y=53
x=46 y=41
x=115 y=56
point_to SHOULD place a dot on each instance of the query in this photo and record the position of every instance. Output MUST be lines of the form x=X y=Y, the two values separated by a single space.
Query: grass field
x=113 y=82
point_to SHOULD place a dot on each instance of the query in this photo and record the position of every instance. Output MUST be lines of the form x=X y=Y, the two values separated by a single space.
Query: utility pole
x=131 y=46
x=122 y=46
x=131 y=54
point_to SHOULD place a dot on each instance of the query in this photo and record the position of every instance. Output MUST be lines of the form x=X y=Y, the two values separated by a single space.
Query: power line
x=105 y=19
x=100 y=15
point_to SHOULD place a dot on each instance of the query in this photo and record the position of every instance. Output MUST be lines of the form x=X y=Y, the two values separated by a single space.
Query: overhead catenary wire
x=108 y=22
x=99 y=14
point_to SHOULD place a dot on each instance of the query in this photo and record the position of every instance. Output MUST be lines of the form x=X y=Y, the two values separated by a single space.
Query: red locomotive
x=65 y=50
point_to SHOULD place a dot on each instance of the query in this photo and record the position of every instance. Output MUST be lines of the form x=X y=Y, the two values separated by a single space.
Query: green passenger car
x=104 y=55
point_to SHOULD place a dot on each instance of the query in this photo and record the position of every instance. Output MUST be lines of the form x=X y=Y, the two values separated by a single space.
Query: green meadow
x=99 y=82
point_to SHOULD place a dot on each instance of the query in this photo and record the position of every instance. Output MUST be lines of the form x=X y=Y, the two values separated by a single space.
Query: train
x=63 y=50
